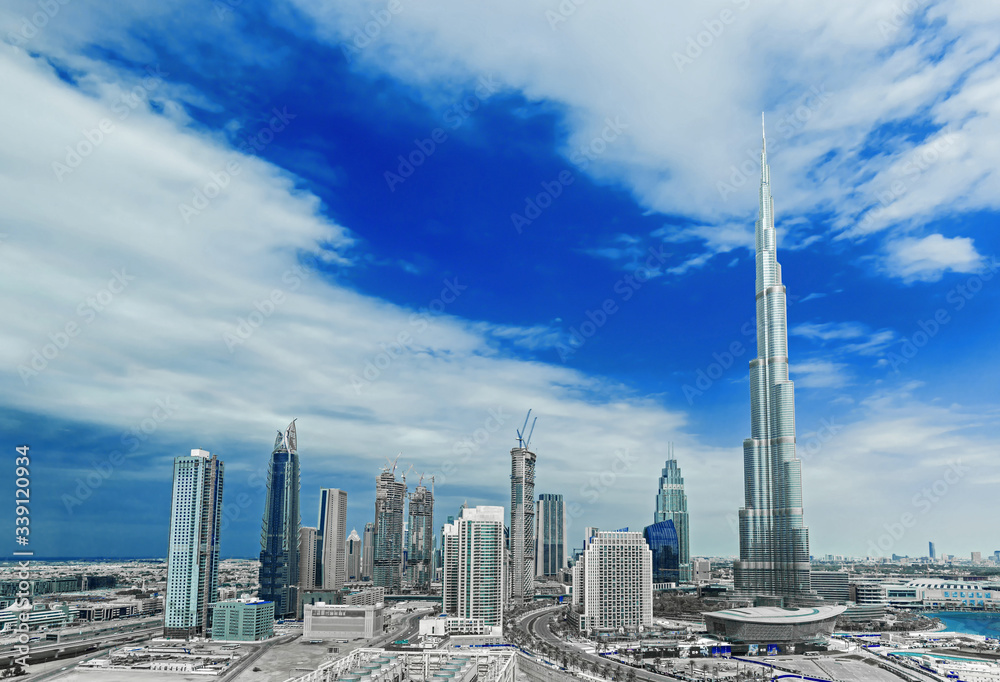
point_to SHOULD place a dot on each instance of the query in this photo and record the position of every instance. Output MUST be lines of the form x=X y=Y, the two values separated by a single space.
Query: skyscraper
x=664 y=543
x=421 y=538
x=309 y=558
x=368 y=552
x=774 y=542
x=522 y=524
x=672 y=505
x=193 y=553
x=390 y=497
x=473 y=576
x=353 y=556
x=333 y=537
x=279 y=535
x=932 y=553
x=550 y=556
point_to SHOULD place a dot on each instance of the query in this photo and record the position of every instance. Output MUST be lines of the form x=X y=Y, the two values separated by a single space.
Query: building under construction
x=522 y=517
x=387 y=560
x=421 y=547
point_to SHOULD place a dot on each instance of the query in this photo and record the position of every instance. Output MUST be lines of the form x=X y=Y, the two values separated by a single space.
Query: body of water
x=987 y=624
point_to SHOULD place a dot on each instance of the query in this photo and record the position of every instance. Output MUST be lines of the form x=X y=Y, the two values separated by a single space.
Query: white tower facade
x=193 y=554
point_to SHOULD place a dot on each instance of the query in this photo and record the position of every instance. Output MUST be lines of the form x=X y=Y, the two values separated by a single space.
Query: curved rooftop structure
x=773 y=624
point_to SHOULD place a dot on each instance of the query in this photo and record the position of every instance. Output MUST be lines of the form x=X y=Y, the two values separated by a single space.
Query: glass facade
x=279 y=536
x=551 y=555
x=664 y=543
x=387 y=558
x=774 y=542
x=672 y=505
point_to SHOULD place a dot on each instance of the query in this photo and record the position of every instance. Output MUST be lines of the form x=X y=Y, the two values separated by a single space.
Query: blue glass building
x=279 y=535
x=664 y=543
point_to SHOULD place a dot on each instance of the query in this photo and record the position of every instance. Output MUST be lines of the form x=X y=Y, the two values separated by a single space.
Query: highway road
x=538 y=624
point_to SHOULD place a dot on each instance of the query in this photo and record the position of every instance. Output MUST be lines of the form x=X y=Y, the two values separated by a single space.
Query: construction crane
x=523 y=442
x=392 y=464
x=403 y=476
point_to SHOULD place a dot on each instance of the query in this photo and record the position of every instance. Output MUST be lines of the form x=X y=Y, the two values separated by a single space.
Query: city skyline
x=418 y=255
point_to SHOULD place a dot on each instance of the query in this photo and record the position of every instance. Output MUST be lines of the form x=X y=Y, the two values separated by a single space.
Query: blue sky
x=219 y=217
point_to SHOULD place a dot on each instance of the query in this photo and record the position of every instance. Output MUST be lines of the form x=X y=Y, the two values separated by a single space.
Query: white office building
x=193 y=554
x=332 y=533
x=473 y=582
x=613 y=584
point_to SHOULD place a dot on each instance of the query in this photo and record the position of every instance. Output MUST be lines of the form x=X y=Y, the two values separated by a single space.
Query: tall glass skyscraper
x=550 y=557
x=387 y=559
x=672 y=505
x=774 y=543
x=193 y=558
x=279 y=535
x=421 y=538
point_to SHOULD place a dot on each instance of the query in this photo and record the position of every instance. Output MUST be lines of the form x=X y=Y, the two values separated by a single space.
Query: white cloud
x=826 y=331
x=608 y=61
x=819 y=374
x=927 y=259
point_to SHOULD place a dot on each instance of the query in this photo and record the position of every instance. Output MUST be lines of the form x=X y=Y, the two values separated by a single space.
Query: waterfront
x=986 y=624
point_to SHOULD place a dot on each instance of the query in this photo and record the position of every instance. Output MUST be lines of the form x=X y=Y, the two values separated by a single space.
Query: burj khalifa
x=774 y=543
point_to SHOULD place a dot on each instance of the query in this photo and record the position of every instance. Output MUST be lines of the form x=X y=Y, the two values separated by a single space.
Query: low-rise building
x=342 y=621
x=242 y=620
x=785 y=627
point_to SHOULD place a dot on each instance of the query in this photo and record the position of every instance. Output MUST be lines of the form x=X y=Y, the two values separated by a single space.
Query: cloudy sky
x=405 y=224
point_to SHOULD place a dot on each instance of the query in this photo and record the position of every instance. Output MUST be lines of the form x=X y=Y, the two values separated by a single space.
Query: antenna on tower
x=522 y=442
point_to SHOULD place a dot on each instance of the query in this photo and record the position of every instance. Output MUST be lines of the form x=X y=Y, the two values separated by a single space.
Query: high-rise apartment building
x=193 y=552
x=390 y=497
x=309 y=558
x=613 y=585
x=522 y=524
x=550 y=554
x=774 y=542
x=420 y=553
x=473 y=576
x=354 y=556
x=333 y=537
x=672 y=505
x=279 y=535
x=368 y=552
